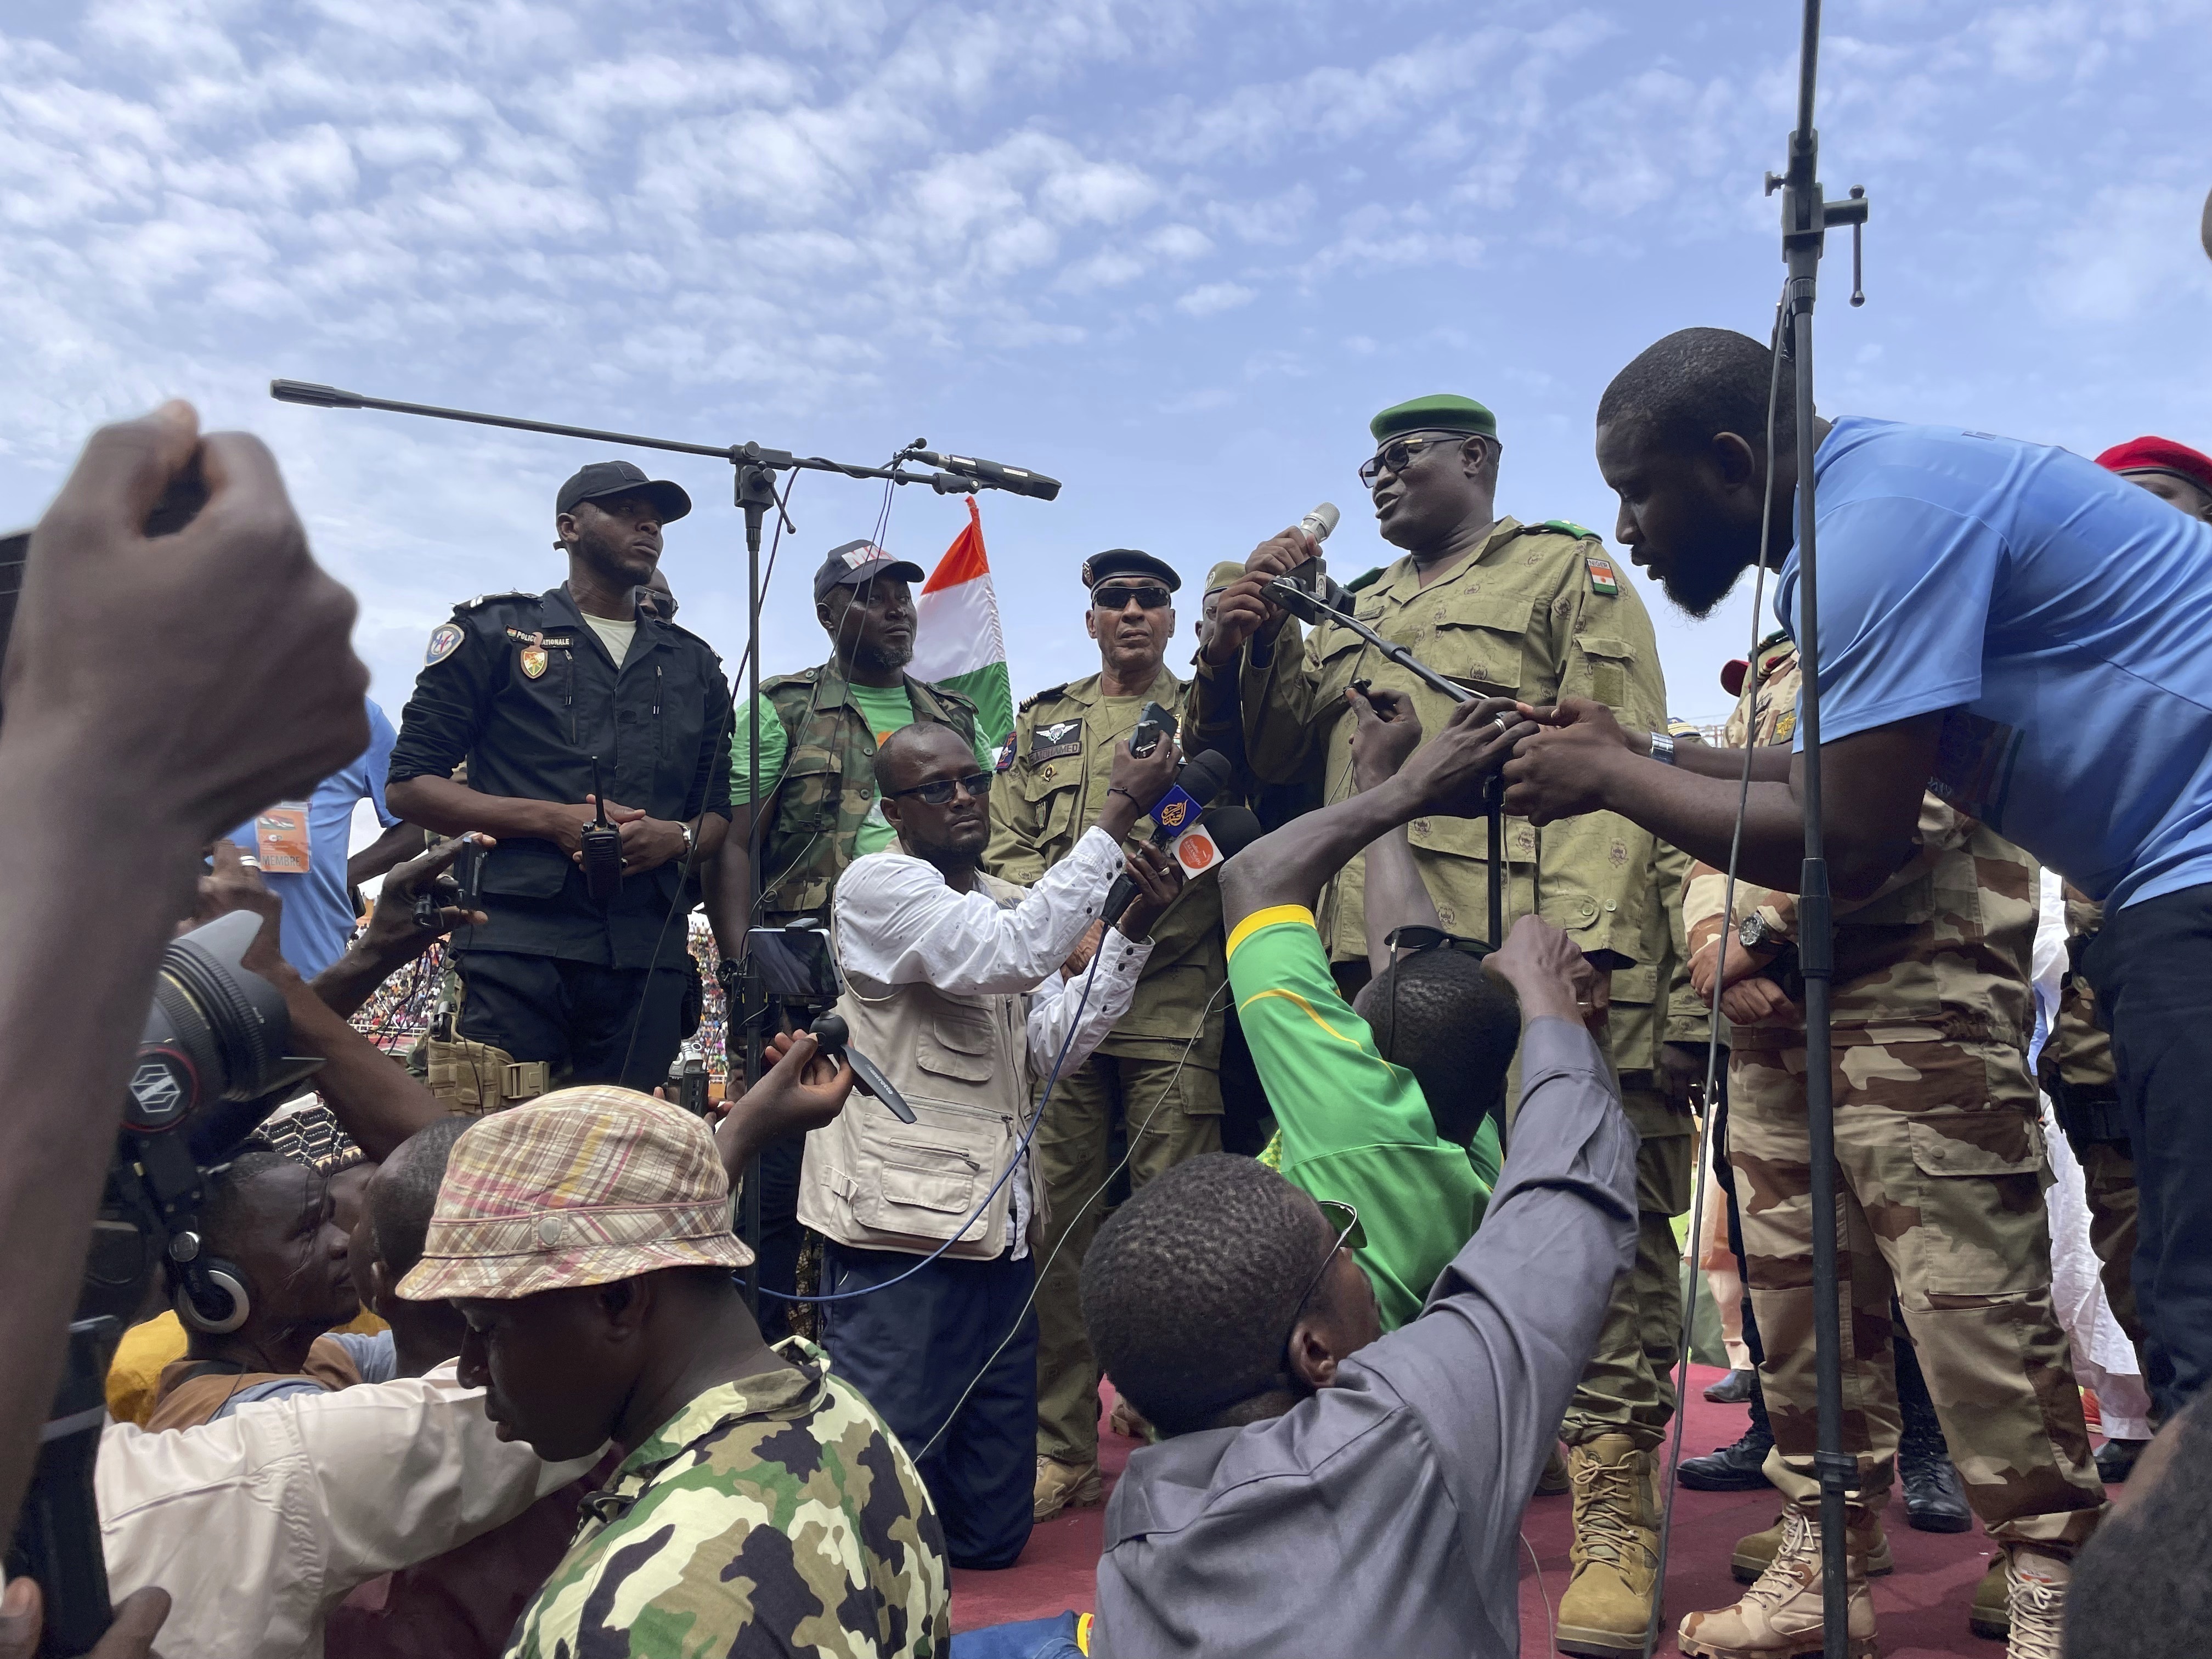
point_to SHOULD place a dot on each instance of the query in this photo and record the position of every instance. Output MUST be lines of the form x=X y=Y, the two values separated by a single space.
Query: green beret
x=1438 y=412
x=1222 y=575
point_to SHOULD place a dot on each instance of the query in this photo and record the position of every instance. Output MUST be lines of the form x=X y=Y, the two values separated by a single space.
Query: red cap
x=1731 y=673
x=2158 y=455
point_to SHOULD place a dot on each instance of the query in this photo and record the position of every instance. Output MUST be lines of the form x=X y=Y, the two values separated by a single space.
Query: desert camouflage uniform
x=775 y=1514
x=1158 y=1071
x=2077 y=1073
x=1939 y=1149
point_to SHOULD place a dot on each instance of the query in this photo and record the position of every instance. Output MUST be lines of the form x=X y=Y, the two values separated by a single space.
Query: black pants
x=2151 y=968
x=781 y=1233
x=598 y=1024
x=913 y=1349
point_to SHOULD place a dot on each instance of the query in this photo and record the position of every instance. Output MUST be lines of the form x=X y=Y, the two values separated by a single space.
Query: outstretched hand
x=1385 y=732
x=1550 y=974
x=1559 y=768
x=1448 y=773
x=800 y=1092
x=1244 y=609
x=391 y=935
x=230 y=883
x=1159 y=879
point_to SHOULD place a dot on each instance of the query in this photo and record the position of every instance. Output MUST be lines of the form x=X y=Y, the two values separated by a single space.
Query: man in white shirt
x=955 y=987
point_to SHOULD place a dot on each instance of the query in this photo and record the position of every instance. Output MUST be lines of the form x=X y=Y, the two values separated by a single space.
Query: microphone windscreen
x=1202 y=775
x=1234 y=829
x=1321 y=521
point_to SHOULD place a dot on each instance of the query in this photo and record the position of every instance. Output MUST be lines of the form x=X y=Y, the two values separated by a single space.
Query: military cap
x=860 y=561
x=1440 y=411
x=1222 y=575
x=622 y=478
x=2149 y=454
x=587 y=1187
x=1128 y=562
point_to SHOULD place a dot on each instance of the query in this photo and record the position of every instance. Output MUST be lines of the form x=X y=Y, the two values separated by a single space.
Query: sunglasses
x=1398 y=454
x=1151 y=596
x=1349 y=1233
x=1414 y=940
x=939 y=793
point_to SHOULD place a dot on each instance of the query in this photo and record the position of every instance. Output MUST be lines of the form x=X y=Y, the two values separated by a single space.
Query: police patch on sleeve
x=1051 y=742
x=445 y=639
x=1004 y=759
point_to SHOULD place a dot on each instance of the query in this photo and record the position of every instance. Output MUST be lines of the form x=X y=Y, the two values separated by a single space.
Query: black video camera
x=797 y=976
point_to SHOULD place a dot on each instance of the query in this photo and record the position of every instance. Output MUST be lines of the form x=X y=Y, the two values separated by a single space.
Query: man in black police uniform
x=529 y=689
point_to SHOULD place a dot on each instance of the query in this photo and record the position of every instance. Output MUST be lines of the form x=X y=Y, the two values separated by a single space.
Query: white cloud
x=1211 y=299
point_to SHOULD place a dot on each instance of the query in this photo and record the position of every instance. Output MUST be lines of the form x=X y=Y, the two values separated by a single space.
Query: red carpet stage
x=1923 y=1605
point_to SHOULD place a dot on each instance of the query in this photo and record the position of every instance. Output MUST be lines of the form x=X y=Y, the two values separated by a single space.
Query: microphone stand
x=1806 y=216
x=1307 y=608
x=756 y=467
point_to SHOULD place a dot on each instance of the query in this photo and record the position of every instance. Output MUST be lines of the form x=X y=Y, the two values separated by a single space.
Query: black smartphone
x=794 y=964
x=1153 y=723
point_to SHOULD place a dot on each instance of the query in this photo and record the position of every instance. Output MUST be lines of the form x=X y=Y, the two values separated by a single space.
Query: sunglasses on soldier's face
x=1398 y=454
x=1151 y=596
x=939 y=793
x=1414 y=940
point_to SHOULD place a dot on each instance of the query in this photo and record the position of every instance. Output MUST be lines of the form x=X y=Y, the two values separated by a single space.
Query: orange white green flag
x=956 y=639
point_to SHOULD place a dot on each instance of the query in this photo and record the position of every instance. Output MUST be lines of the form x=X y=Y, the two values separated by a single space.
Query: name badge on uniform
x=1051 y=742
x=280 y=839
x=1602 y=581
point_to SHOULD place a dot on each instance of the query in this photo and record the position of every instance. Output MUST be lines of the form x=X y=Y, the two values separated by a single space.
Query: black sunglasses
x=939 y=793
x=1151 y=596
x=1398 y=454
x=1413 y=940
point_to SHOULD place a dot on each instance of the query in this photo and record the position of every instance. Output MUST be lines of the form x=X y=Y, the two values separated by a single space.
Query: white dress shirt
x=898 y=923
x=259 y=1524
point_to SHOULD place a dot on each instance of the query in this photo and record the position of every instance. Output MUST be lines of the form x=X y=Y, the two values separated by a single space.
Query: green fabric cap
x=1438 y=412
x=1222 y=575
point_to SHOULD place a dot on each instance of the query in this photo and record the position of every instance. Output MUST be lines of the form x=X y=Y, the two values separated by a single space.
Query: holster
x=474 y=1077
x=2088 y=1114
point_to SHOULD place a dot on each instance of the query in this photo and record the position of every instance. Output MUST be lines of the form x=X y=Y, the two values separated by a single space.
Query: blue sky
x=1172 y=251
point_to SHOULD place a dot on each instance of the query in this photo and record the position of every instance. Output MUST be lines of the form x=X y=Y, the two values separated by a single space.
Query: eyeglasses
x=939 y=793
x=1398 y=454
x=1413 y=940
x=1151 y=596
x=1349 y=1233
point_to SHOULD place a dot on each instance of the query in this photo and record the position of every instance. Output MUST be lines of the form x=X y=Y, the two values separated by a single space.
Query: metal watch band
x=1662 y=748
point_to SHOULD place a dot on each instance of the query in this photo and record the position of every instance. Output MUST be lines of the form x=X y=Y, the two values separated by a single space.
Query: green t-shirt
x=887 y=709
x=1352 y=1127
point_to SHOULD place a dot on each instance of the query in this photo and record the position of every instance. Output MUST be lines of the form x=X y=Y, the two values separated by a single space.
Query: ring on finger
x=1501 y=722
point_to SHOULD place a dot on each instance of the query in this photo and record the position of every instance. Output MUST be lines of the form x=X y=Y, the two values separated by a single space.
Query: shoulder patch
x=484 y=599
x=1051 y=742
x=1568 y=527
x=1005 y=757
x=1602 y=579
x=1035 y=697
x=445 y=639
x=1367 y=579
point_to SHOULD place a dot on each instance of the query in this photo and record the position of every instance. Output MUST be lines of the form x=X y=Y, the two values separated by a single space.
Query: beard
x=881 y=658
x=1699 y=593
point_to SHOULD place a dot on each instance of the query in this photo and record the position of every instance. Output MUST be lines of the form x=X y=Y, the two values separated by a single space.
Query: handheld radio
x=602 y=854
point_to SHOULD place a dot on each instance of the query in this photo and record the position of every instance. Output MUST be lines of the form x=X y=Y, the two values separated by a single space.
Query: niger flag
x=957 y=639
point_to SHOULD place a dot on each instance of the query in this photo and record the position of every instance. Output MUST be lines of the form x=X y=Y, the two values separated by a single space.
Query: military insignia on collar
x=445 y=639
x=1061 y=737
x=1602 y=581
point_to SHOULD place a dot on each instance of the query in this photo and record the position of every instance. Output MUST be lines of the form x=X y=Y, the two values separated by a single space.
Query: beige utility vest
x=962 y=1064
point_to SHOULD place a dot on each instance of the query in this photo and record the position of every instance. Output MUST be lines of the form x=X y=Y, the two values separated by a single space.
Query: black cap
x=860 y=561
x=1128 y=562
x=623 y=478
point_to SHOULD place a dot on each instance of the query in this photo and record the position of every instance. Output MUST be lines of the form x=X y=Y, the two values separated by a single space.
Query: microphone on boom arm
x=1018 y=479
x=1198 y=781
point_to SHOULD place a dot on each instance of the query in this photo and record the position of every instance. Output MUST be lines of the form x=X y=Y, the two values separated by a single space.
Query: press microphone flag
x=1225 y=832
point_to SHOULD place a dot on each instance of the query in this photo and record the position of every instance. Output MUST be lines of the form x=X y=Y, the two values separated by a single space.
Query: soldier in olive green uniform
x=1158 y=1071
x=1535 y=611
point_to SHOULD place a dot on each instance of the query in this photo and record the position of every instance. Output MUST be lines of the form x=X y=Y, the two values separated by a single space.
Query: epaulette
x=484 y=599
x=797 y=676
x=1366 y=580
x=1035 y=697
x=1568 y=527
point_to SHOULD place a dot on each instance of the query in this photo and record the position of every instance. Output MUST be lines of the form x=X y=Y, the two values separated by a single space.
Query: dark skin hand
x=392 y=939
x=239 y=686
x=1583 y=761
x=1385 y=733
x=800 y=1092
x=1133 y=641
x=395 y=844
x=138 y=1620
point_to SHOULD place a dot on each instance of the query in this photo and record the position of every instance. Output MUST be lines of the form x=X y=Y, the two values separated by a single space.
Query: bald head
x=914 y=753
x=950 y=832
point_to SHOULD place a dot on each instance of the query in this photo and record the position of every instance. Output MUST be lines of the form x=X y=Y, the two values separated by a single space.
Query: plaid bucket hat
x=583 y=1187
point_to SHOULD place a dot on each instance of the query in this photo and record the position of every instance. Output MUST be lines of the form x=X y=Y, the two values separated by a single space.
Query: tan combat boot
x=1780 y=1616
x=1865 y=1537
x=1615 y=1558
x=1060 y=1485
x=2036 y=1588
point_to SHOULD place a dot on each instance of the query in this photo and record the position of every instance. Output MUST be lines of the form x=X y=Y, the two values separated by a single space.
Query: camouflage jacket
x=778 y=1500
x=829 y=784
x=1941 y=952
x=2079 y=1055
x=1050 y=788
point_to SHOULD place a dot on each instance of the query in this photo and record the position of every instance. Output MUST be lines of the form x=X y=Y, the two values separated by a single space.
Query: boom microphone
x=1019 y=480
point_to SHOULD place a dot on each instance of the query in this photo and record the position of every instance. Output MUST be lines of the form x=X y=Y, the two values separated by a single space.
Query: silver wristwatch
x=691 y=840
x=1662 y=748
x=1753 y=934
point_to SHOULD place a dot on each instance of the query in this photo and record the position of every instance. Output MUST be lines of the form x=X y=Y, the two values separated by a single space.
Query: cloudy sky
x=1172 y=251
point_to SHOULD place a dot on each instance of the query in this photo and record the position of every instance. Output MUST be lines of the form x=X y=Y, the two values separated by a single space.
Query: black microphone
x=1234 y=829
x=1019 y=480
x=1199 y=779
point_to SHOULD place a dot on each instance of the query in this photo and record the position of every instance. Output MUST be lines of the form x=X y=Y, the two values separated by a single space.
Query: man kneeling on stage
x=955 y=988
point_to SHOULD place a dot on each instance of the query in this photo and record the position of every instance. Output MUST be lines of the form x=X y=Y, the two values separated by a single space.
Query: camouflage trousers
x=1940 y=1173
x=2108 y=1177
x=1628 y=1386
x=1166 y=1118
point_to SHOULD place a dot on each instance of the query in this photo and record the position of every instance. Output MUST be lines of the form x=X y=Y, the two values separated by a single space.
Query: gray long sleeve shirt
x=1381 y=1514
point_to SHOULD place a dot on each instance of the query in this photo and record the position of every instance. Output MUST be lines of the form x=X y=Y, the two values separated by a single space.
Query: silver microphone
x=1318 y=523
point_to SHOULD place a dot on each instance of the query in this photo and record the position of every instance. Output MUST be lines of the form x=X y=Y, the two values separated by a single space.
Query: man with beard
x=533 y=691
x=820 y=807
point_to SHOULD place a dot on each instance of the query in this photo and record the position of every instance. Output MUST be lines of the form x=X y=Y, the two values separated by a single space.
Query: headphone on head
x=210 y=1294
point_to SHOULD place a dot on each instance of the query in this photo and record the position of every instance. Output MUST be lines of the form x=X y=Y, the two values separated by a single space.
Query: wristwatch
x=691 y=840
x=1753 y=934
x=1662 y=748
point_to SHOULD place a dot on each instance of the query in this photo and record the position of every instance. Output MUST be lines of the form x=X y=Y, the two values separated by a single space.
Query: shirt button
x=1588 y=907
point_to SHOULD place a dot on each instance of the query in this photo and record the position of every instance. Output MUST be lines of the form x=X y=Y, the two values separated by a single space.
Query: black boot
x=1935 y=1496
x=2116 y=1460
x=1731 y=1390
x=1737 y=1468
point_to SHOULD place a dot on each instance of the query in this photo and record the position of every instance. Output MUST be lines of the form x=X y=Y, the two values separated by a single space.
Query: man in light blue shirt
x=2004 y=623
x=319 y=914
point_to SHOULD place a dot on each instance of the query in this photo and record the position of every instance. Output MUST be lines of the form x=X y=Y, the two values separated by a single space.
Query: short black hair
x=401 y=1205
x=1453 y=1026
x=891 y=755
x=2142 y=1586
x=1697 y=383
x=1191 y=1287
x=222 y=1200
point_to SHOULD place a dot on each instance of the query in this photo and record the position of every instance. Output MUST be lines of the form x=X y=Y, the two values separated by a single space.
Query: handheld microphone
x=836 y=1039
x=603 y=854
x=1198 y=781
x=1019 y=480
x=1323 y=519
